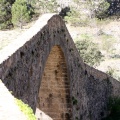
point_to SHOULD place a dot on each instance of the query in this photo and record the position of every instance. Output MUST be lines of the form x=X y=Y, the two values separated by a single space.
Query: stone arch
x=54 y=93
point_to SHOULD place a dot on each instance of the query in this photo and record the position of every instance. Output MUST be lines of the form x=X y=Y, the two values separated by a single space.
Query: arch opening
x=54 y=93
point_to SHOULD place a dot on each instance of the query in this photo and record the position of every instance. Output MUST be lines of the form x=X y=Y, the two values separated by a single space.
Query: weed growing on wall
x=113 y=109
x=25 y=109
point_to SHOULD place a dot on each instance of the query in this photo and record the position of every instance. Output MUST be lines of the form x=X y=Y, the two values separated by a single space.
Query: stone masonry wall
x=22 y=72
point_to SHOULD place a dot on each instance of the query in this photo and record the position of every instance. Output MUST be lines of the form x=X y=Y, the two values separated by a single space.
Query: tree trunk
x=20 y=25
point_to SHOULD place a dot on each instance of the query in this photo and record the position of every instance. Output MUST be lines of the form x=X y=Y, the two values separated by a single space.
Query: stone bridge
x=43 y=68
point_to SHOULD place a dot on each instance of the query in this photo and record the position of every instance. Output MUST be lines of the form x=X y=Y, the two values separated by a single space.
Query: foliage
x=114 y=109
x=21 y=13
x=113 y=72
x=86 y=36
x=73 y=17
x=5 y=14
x=25 y=109
x=110 y=71
x=86 y=11
x=93 y=8
x=11 y=1
x=64 y=12
x=44 y=6
x=102 y=9
x=108 y=42
x=89 y=52
x=74 y=101
x=98 y=8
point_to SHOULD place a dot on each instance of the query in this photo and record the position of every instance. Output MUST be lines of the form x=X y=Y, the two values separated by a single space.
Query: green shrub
x=26 y=110
x=101 y=10
x=108 y=43
x=94 y=8
x=74 y=101
x=86 y=36
x=113 y=109
x=89 y=52
x=73 y=17
x=5 y=14
x=113 y=72
x=45 y=6
x=110 y=71
x=21 y=13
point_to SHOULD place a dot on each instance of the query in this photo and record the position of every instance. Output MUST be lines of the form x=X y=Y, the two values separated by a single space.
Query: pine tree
x=21 y=13
x=5 y=13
